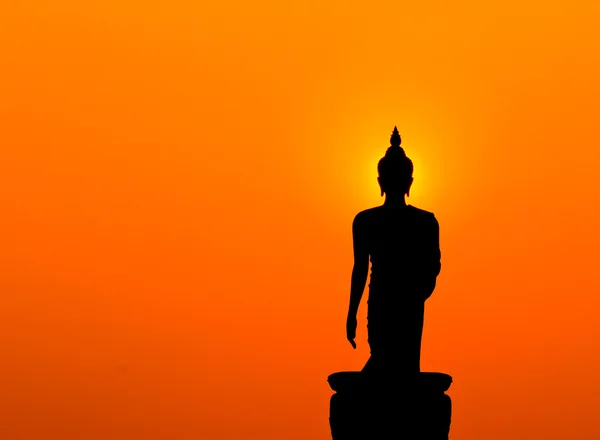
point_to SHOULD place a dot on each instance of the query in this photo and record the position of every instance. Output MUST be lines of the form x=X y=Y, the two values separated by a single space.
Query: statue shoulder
x=365 y=216
x=422 y=213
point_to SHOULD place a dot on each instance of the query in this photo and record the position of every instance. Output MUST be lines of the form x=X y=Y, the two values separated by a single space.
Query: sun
x=422 y=183
x=353 y=170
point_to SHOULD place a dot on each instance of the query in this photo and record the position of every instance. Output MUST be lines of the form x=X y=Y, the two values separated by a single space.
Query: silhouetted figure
x=402 y=242
x=390 y=397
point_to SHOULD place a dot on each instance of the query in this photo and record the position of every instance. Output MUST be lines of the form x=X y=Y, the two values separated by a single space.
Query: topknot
x=395 y=150
x=395 y=139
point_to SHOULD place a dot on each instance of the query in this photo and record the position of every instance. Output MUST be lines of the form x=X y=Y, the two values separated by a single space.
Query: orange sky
x=178 y=182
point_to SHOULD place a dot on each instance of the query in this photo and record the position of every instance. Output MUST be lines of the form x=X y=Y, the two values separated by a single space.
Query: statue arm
x=436 y=253
x=360 y=270
x=433 y=257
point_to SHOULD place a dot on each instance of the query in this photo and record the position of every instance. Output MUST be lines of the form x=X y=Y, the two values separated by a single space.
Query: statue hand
x=351 y=330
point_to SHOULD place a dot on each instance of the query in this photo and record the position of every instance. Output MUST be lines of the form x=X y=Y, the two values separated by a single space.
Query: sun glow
x=424 y=178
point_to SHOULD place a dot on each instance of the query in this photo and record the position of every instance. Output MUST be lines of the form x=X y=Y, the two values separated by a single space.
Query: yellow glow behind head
x=422 y=178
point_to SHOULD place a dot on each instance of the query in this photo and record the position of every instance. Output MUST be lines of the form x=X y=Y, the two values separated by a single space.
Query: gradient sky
x=178 y=182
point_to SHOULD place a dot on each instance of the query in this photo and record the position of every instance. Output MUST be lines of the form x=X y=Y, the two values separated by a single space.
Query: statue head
x=395 y=169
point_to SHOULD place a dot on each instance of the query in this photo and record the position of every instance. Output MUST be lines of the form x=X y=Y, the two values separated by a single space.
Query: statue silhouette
x=402 y=243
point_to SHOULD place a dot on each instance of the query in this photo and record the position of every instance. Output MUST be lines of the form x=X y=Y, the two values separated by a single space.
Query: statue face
x=394 y=187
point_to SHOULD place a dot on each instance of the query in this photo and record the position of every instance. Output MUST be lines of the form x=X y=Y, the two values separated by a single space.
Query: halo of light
x=423 y=178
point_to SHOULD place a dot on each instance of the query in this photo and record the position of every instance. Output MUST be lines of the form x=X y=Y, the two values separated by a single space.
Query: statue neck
x=394 y=200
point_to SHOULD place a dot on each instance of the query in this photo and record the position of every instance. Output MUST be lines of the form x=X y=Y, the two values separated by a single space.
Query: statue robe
x=403 y=246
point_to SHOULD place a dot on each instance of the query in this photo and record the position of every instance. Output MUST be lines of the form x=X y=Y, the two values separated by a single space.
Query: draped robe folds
x=403 y=245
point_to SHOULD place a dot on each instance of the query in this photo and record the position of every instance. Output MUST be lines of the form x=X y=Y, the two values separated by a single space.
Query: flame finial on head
x=395 y=140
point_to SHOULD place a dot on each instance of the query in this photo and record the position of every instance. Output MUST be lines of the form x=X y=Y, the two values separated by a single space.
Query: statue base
x=410 y=407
